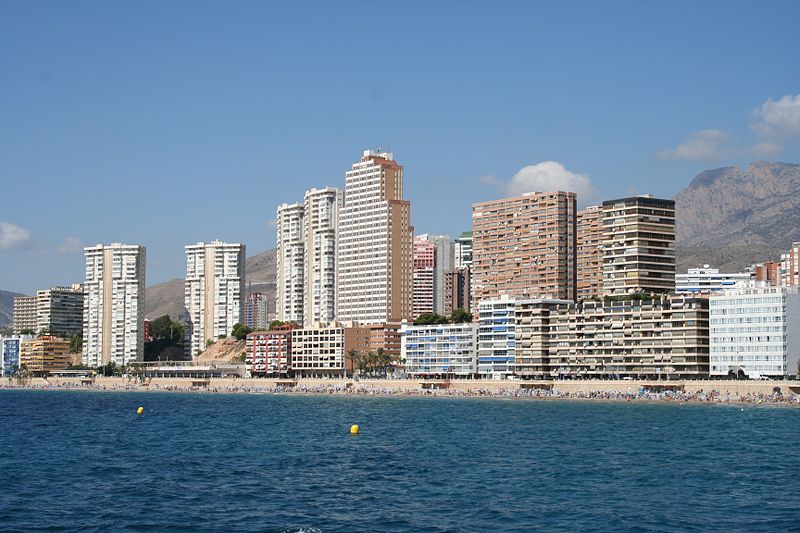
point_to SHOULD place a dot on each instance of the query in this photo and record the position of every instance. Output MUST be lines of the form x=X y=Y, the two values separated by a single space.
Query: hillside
x=167 y=298
x=731 y=217
x=7 y=307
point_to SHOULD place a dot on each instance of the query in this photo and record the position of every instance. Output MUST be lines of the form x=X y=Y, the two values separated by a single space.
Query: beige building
x=375 y=243
x=589 y=253
x=45 y=354
x=291 y=264
x=423 y=291
x=321 y=221
x=660 y=338
x=322 y=350
x=213 y=292
x=638 y=245
x=25 y=318
x=113 y=305
x=524 y=246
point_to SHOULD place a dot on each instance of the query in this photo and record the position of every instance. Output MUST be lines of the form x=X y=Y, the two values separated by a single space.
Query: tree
x=275 y=323
x=240 y=331
x=460 y=316
x=27 y=331
x=164 y=328
x=76 y=343
x=426 y=319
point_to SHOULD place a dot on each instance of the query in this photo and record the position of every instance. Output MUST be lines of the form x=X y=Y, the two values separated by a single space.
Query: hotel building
x=45 y=354
x=525 y=247
x=423 y=292
x=496 y=337
x=375 y=243
x=638 y=245
x=707 y=280
x=321 y=220
x=589 y=253
x=10 y=348
x=113 y=305
x=59 y=311
x=269 y=353
x=323 y=351
x=755 y=330
x=290 y=263
x=213 y=292
x=25 y=317
x=443 y=350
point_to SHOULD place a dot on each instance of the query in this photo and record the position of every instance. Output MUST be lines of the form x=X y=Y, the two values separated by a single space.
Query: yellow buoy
x=354 y=429
x=140 y=410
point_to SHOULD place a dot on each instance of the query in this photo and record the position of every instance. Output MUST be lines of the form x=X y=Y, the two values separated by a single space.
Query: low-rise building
x=45 y=354
x=324 y=350
x=755 y=331
x=496 y=337
x=10 y=348
x=708 y=280
x=269 y=353
x=440 y=350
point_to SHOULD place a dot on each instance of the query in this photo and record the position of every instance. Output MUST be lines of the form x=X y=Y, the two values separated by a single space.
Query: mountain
x=7 y=307
x=731 y=217
x=167 y=298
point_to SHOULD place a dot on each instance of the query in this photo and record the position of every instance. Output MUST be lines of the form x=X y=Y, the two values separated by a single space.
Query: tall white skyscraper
x=113 y=305
x=213 y=293
x=291 y=263
x=375 y=243
x=462 y=250
x=321 y=219
x=444 y=263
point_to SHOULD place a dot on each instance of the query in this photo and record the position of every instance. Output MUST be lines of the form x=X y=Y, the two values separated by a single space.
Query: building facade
x=375 y=243
x=638 y=245
x=45 y=354
x=256 y=311
x=269 y=353
x=213 y=292
x=440 y=351
x=59 y=310
x=423 y=291
x=755 y=330
x=291 y=263
x=113 y=305
x=10 y=348
x=589 y=254
x=462 y=250
x=707 y=280
x=25 y=318
x=525 y=247
x=323 y=350
x=457 y=290
x=445 y=258
x=321 y=221
x=496 y=338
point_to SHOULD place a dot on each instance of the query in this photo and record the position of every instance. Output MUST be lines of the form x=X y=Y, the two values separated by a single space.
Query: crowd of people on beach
x=713 y=396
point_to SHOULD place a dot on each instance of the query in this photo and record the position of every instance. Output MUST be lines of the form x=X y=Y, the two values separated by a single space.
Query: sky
x=170 y=123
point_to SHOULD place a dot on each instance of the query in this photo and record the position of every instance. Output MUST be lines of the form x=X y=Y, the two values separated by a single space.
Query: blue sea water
x=84 y=461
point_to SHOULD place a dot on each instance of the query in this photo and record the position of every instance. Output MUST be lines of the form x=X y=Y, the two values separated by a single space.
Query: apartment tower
x=638 y=245
x=588 y=253
x=524 y=247
x=213 y=292
x=423 y=293
x=113 y=304
x=290 y=263
x=375 y=243
x=321 y=220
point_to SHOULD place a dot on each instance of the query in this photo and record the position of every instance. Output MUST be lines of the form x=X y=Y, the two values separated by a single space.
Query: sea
x=85 y=461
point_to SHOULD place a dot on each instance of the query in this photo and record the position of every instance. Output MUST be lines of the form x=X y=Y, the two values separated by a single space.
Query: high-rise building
x=45 y=354
x=291 y=263
x=456 y=290
x=321 y=220
x=424 y=278
x=755 y=331
x=375 y=243
x=589 y=254
x=444 y=263
x=59 y=310
x=25 y=319
x=462 y=250
x=213 y=292
x=638 y=245
x=113 y=305
x=769 y=272
x=256 y=311
x=524 y=246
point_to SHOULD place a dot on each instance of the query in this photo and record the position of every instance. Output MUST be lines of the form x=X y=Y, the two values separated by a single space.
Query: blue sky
x=168 y=123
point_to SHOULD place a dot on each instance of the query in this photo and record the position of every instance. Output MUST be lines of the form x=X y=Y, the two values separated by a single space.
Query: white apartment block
x=290 y=263
x=321 y=220
x=756 y=330
x=213 y=292
x=462 y=250
x=496 y=337
x=113 y=305
x=59 y=310
x=707 y=279
x=445 y=260
x=25 y=319
x=442 y=350
x=375 y=243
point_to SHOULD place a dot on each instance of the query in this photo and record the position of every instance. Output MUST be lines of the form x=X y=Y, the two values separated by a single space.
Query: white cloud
x=71 y=245
x=550 y=176
x=12 y=236
x=766 y=149
x=778 y=117
x=703 y=144
x=489 y=180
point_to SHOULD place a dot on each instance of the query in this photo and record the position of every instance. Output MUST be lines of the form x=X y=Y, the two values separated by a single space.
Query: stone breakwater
x=707 y=391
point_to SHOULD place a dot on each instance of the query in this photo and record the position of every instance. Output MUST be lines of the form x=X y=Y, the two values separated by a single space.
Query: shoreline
x=594 y=396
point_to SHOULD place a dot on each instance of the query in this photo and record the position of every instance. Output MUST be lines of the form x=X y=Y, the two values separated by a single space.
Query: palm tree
x=24 y=374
